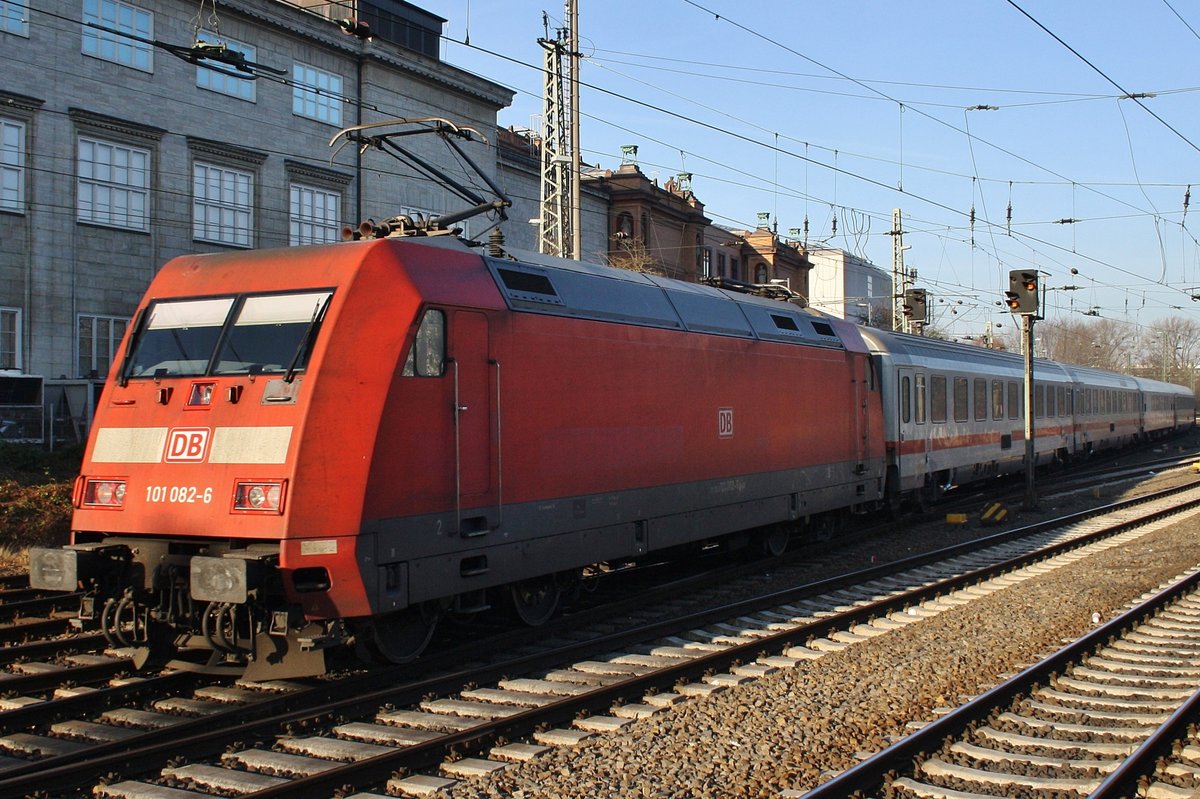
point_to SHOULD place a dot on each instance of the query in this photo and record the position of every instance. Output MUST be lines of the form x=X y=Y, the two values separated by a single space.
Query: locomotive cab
x=197 y=422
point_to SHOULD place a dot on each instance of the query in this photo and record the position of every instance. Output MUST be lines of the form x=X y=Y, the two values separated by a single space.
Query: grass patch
x=35 y=499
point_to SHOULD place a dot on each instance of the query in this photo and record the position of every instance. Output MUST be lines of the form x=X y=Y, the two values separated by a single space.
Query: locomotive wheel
x=402 y=636
x=535 y=600
x=773 y=541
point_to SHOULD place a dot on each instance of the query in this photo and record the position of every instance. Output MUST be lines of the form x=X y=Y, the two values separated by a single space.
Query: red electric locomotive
x=307 y=446
x=314 y=446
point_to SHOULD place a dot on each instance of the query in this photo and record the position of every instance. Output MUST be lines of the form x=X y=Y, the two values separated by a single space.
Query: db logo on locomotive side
x=724 y=422
x=187 y=445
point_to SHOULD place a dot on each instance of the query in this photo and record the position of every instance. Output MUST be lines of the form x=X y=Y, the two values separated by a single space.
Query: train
x=304 y=449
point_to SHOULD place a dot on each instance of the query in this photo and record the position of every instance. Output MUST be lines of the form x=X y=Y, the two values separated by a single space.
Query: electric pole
x=899 y=276
x=576 y=223
x=560 y=203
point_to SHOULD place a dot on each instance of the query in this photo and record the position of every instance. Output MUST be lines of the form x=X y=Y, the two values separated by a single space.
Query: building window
x=121 y=17
x=14 y=17
x=10 y=338
x=220 y=77
x=314 y=217
x=12 y=166
x=735 y=269
x=316 y=94
x=705 y=264
x=114 y=184
x=222 y=205
x=98 y=340
x=624 y=226
x=721 y=264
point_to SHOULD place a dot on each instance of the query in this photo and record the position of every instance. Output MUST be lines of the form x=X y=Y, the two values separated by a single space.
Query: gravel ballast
x=796 y=728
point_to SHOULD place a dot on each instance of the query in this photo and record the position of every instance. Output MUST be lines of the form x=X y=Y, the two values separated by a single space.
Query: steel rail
x=871 y=773
x=364 y=773
x=202 y=740
x=22 y=630
x=209 y=735
x=42 y=606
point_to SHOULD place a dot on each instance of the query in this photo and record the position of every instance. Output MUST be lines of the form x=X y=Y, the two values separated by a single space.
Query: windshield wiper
x=306 y=340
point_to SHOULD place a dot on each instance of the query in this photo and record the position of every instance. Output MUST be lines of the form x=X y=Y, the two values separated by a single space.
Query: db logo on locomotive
x=187 y=445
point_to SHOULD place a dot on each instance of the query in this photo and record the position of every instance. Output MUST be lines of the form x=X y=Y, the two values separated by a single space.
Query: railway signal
x=914 y=305
x=1022 y=298
x=1022 y=294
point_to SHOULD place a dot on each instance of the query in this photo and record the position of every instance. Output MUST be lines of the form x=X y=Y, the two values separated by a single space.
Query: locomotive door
x=471 y=367
x=860 y=431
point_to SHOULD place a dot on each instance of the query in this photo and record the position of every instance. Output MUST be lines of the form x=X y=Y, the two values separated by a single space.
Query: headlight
x=261 y=496
x=218 y=579
x=225 y=579
x=53 y=569
x=103 y=493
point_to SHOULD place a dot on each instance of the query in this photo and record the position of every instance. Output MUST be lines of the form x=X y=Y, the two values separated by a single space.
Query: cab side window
x=427 y=358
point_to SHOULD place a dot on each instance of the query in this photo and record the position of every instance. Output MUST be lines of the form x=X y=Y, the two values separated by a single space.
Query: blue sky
x=851 y=109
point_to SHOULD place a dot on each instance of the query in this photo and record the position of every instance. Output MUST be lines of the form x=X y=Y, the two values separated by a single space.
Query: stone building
x=771 y=259
x=653 y=228
x=756 y=256
x=117 y=155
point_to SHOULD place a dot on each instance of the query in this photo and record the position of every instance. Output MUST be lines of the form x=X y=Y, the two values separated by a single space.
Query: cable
x=1181 y=19
x=1124 y=92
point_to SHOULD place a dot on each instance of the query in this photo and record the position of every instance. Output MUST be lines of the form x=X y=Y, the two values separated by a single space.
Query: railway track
x=1093 y=720
x=437 y=730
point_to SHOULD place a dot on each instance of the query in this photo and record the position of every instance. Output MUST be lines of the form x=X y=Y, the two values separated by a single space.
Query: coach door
x=912 y=440
x=472 y=368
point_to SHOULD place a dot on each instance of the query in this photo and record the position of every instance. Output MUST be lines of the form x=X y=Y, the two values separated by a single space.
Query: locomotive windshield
x=255 y=334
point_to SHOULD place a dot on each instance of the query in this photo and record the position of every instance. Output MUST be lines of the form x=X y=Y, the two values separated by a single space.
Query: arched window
x=624 y=226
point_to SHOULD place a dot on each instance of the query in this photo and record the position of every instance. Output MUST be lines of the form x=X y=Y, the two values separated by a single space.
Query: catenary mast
x=559 y=234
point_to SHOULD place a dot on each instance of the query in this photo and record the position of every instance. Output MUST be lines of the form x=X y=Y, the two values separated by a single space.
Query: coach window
x=1050 y=402
x=981 y=400
x=919 y=398
x=937 y=388
x=427 y=358
x=960 y=399
x=906 y=399
x=1062 y=401
x=1039 y=402
x=997 y=400
x=1014 y=400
